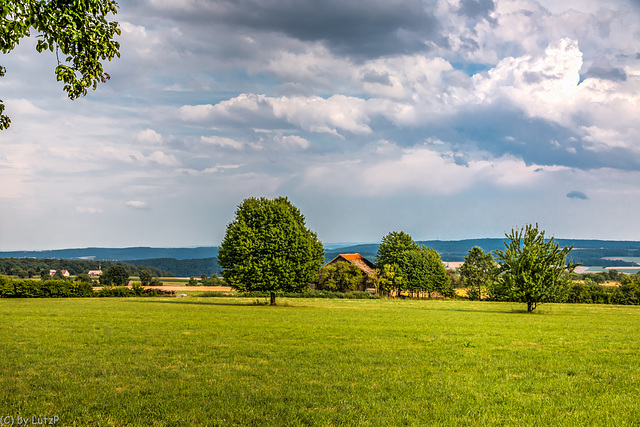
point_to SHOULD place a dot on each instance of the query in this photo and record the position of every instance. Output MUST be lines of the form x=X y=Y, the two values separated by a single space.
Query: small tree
x=423 y=271
x=116 y=275
x=532 y=270
x=268 y=248
x=387 y=279
x=343 y=277
x=145 y=278
x=477 y=272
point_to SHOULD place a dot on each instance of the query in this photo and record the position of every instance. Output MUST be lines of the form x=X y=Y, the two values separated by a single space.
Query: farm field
x=230 y=361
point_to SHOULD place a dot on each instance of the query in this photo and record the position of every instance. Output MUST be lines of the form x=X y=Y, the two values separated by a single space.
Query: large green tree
x=478 y=271
x=533 y=269
x=268 y=248
x=392 y=247
x=77 y=30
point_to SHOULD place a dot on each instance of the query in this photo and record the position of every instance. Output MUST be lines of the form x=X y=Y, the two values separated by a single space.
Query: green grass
x=214 y=361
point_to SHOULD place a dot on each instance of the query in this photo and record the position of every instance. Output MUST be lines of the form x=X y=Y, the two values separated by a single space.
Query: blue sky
x=447 y=119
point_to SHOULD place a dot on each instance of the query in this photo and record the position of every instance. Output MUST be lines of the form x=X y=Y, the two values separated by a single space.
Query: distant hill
x=117 y=254
x=186 y=262
x=588 y=252
x=182 y=267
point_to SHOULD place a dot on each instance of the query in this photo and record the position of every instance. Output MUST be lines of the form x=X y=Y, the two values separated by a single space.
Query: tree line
x=268 y=248
x=32 y=267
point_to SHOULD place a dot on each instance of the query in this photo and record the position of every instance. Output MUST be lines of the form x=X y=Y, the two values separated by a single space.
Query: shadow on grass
x=253 y=303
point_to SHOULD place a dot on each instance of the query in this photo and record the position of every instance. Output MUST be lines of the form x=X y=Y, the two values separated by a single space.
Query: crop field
x=234 y=361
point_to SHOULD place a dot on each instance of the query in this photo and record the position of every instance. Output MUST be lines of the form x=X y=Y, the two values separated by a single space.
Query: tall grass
x=212 y=361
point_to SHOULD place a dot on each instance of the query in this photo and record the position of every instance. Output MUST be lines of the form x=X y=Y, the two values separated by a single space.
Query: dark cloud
x=360 y=29
x=607 y=73
x=476 y=8
x=375 y=77
x=501 y=131
x=577 y=195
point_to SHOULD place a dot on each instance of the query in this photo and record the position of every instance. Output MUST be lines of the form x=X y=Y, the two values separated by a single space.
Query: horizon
x=332 y=245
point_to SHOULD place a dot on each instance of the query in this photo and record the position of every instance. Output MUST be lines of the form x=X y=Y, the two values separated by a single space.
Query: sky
x=447 y=119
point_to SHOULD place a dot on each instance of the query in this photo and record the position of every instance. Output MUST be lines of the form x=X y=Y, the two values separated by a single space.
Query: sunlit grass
x=226 y=361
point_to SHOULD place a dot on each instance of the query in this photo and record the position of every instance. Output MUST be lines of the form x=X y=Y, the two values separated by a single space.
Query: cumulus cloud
x=336 y=114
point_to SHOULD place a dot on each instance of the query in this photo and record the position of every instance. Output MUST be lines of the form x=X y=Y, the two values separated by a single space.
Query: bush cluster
x=628 y=293
x=43 y=289
x=69 y=289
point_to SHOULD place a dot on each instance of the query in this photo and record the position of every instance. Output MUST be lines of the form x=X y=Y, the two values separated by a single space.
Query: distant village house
x=64 y=273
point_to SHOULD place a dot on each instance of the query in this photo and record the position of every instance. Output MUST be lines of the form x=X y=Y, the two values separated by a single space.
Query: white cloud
x=136 y=204
x=333 y=115
x=422 y=171
x=295 y=141
x=164 y=159
x=149 y=136
x=545 y=86
x=221 y=142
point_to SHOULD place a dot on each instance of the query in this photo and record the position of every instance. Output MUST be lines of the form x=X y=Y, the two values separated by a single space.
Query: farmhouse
x=358 y=260
x=64 y=273
x=95 y=273
x=365 y=266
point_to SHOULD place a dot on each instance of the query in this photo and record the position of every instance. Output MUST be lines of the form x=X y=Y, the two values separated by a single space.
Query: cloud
x=333 y=115
x=221 y=142
x=364 y=29
x=88 y=210
x=149 y=136
x=577 y=195
x=476 y=8
x=137 y=204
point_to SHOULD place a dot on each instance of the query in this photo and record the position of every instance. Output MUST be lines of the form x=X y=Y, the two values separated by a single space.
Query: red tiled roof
x=351 y=257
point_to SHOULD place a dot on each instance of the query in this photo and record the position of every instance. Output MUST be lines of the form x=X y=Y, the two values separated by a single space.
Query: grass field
x=224 y=361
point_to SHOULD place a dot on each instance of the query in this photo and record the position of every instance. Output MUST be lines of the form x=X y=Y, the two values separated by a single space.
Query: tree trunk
x=273 y=298
x=530 y=306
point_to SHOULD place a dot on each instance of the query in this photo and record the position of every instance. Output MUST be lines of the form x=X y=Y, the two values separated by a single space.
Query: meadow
x=234 y=361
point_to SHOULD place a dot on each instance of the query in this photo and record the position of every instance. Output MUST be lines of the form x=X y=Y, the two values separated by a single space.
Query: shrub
x=115 y=291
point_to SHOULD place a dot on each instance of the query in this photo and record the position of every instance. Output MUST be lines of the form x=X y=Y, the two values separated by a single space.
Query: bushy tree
x=145 y=278
x=268 y=248
x=342 y=277
x=116 y=275
x=478 y=272
x=387 y=279
x=423 y=271
x=532 y=270
x=392 y=246
x=78 y=31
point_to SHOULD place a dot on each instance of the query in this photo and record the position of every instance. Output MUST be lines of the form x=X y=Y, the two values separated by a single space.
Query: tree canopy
x=532 y=269
x=78 y=32
x=342 y=277
x=478 y=270
x=116 y=275
x=423 y=271
x=392 y=246
x=268 y=248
